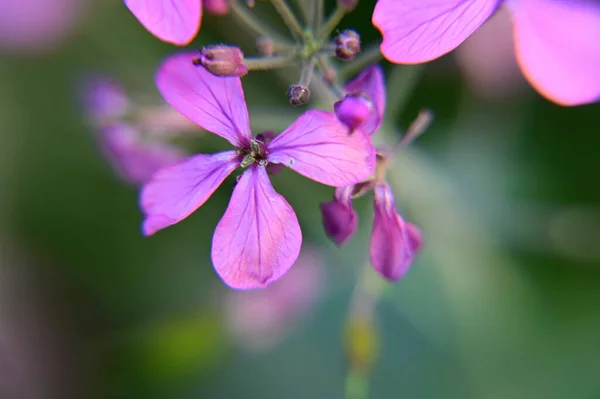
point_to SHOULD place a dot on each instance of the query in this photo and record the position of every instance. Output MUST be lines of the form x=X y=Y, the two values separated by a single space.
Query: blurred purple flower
x=37 y=25
x=364 y=103
x=259 y=238
x=258 y=320
x=394 y=242
x=176 y=22
x=555 y=40
x=134 y=157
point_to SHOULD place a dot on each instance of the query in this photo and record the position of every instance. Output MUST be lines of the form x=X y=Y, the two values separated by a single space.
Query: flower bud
x=339 y=218
x=218 y=7
x=222 y=60
x=347 y=45
x=353 y=110
x=347 y=5
x=265 y=45
x=298 y=94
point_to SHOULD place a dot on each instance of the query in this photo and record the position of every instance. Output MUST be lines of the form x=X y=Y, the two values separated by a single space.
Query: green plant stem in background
x=318 y=10
x=260 y=29
x=289 y=18
x=331 y=24
x=273 y=62
x=369 y=56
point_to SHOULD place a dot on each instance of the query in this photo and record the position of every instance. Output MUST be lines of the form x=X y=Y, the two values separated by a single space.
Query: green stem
x=257 y=26
x=307 y=72
x=370 y=56
x=289 y=18
x=273 y=62
x=318 y=10
x=331 y=23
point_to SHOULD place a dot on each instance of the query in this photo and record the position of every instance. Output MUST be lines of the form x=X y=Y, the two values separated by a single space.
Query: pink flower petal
x=258 y=239
x=393 y=245
x=173 y=21
x=133 y=158
x=175 y=192
x=318 y=146
x=416 y=31
x=215 y=103
x=104 y=98
x=558 y=48
x=339 y=217
x=370 y=82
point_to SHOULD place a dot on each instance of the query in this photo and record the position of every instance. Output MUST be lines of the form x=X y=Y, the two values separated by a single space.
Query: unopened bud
x=298 y=95
x=347 y=5
x=222 y=60
x=347 y=45
x=218 y=7
x=265 y=46
x=353 y=110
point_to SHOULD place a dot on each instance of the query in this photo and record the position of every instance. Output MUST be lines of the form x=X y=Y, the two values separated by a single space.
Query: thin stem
x=307 y=72
x=257 y=26
x=370 y=56
x=417 y=128
x=318 y=10
x=403 y=79
x=329 y=74
x=289 y=18
x=273 y=62
x=331 y=23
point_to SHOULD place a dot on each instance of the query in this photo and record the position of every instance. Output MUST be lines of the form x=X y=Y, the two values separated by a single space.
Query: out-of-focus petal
x=392 y=247
x=104 y=98
x=339 y=217
x=217 y=104
x=558 y=47
x=354 y=110
x=134 y=159
x=370 y=82
x=487 y=59
x=173 y=193
x=416 y=31
x=259 y=319
x=318 y=146
x=258 y=239
x=219 y=7
x=173 y=21
x=37 y=25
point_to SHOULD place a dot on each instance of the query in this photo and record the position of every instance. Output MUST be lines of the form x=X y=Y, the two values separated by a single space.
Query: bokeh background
x=501 y=303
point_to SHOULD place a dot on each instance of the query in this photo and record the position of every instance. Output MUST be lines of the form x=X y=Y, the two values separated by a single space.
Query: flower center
x=257 y=151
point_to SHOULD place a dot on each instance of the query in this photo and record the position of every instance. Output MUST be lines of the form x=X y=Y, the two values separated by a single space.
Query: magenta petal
x=175 y=192
x=558 y=48
x=339 y=218
x=173 y=21
x=215 y=103
x=393 y=244
x=416 y=31
x=370 y=82
x=258 y=239
x=134 y=159
x=318 y=146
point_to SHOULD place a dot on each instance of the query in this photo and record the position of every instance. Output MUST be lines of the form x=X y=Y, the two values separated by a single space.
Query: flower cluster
x=258 y=239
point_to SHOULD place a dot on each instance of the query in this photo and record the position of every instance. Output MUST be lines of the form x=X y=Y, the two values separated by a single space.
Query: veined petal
x=175 y=192
x=557 y=46
x=258 y=239
x=416 y=31
x=393 y=244
x=173 y=21
x=370 y=82
x=318 y=146
x=215 y=103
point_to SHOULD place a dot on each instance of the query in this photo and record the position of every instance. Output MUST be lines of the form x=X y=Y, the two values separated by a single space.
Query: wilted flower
x=258 y=320
x=555 y=40
x=172 y=21
x=259 y=238
x=134 y=156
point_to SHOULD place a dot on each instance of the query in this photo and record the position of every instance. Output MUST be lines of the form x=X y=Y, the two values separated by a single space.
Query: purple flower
x=339 y=218
x=134 y=157
x=174 y=21
x=258 y=239
x=364 y=103
x=260 y=319
x=555 y=40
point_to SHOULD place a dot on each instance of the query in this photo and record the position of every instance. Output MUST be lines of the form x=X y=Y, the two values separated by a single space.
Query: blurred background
x=501 y=303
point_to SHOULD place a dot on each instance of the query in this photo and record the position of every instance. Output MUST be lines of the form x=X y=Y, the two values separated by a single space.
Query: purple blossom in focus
x=258 y=320
x=259 y=238
x=134 y=157
x=174 y=21
x=556 y=41
x=394 y=242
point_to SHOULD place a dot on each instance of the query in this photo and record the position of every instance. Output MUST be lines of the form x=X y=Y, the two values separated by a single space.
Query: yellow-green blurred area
x=502 y=302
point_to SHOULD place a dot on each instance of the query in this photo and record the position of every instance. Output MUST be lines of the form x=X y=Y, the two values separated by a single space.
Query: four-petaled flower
x=259 y=238
x=556 y=41
x=394 y=242
x=174 y=21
